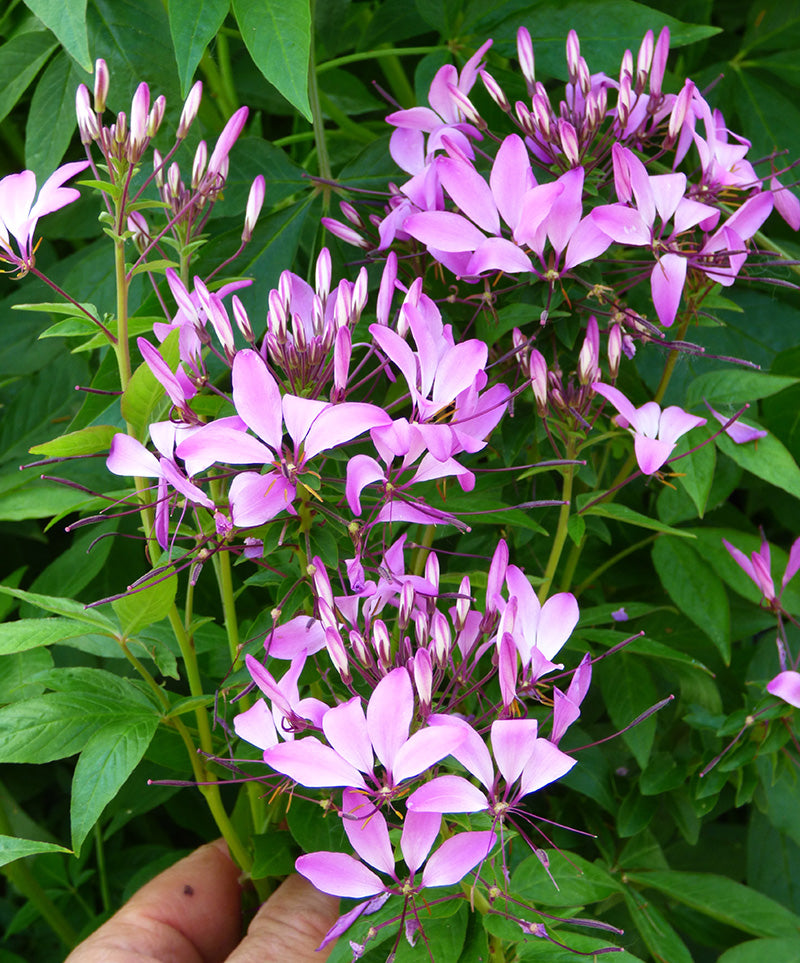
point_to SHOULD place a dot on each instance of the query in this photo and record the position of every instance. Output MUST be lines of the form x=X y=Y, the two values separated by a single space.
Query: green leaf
x=628 y=691
x=577 y=881
x=59 y=724
x=145 y=606
x=67 y=607
x=145 y=393
x=51 y=119
x=757 y=951
x=735 y=387
x=27 y=634
x=277 y=34
x=696 y=470
x=274 y=854
x=659 y=937
x=12 y=848
x=193 y=26
x=642 y=646
x=767 y=459
x=21 y=59
x=108 y=758
x=67 y=20
x=629 y=516
x=696 y=590
x=87 y=441
x=18 y=672
x=40 y=501
x=724 y=900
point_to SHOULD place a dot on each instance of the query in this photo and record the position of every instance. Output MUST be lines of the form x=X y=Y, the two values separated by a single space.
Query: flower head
x=19 y=212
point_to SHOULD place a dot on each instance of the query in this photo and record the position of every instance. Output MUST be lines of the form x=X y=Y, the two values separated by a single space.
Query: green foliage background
x=693 y=868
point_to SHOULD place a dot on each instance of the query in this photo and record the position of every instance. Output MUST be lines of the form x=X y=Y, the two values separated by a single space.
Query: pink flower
x=655 y=432
x=786 y=686
x=758 y=568
x=19 y=213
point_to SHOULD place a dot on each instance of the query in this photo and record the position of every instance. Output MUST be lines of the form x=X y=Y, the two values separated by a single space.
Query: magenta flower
x=758 y=568
x=312 y=426
x=738 y=431
x=19 y=213
x=368 y=832
x=355 y=739
x=655 y=432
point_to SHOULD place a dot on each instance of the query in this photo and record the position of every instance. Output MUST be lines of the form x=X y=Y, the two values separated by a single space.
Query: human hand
x=190 y=913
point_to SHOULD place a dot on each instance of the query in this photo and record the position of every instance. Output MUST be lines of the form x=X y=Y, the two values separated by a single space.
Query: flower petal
x=339 y=875
x=456 y=857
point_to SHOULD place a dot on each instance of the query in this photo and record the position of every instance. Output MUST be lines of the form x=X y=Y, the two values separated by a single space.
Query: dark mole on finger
x=188 y=890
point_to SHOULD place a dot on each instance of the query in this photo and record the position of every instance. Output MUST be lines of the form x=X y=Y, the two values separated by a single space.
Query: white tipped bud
x=350 y=213
x=137 y=225
x=626 y=66
x=538 y=375
x=573 y=55
x=423 y=679
x=525 y=56
x=156 y=115
x=614 y=350
x=158 y=168
x=242 y=320
x=140 y=107
x=406 y=605
x=441 y=638
x=495 y=91
x=199 y=164
x=465 y=106
x=463 y=603
x=190 y=108
x=432 y=569
x=569 y=142
x=345 y=233
x=338 y=654
x=101 y=82
x=660 y=55
x=382 y=643
x=421 y=628
x=584 y=77
x=120 y=129
x=644 y=59
x=540 y=114
x=87 y=119
x=589 y=357
x=174 y=184
x=525 y=118
x=680 y=109
x=255 y=201
x=359 y=647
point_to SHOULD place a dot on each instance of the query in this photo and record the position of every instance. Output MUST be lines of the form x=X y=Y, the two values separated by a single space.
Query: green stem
x=222 y=569
x=418 y=565
x=99 y=849
x=561 y=529
x=376 y=55
x=323 y=160
x=122 y=348
x=613 y=561
x=20 y=876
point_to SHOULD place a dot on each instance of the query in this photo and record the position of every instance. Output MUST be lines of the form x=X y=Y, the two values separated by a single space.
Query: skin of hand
x=191 y=913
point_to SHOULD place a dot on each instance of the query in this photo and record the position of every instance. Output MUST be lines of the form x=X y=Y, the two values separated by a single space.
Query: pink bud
x=322 y=274
x=406 y=605
x=174 y=184
x=137 y=225
x=226 y=140
x=120 y=129
x=525 y=56
x=345 y=233
x=540 y=114
x=255 y=201
x=441 y=638
x=589 y=357
x=660 y=55
x=528 y=120
x=465 y=106
x=359 y=647
x=386 y=290
x=156 y=115
x=101 y=82
x=644 y=60
x=140 y=107
x=569 y=142
x=342 y=352
x=495 y=91
x=87 y=119
x=158 y=169
x=190 y=108
x=423 y=679
x=624 y=96
x=679 y=111
x=573 y=55
x=382 y=643
x=538 y=375
x=360 y=295
x=463 y=603
x=338 y=654
x=199 y=165
x=584 y=77
x=614 y=350
x=350 y=213
x=242 y=320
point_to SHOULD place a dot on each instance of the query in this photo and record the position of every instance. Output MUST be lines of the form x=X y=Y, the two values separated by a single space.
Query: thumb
x=289 y=926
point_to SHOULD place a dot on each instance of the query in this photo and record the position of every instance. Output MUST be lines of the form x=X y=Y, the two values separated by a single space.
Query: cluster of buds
x=309 y=332
x=124 y=141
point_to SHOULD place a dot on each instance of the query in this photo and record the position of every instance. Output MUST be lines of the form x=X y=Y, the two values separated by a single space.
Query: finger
x=190 y=913
x=289 y=926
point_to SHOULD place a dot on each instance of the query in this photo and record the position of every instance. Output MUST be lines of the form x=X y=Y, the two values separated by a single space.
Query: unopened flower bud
x=189 y=112
x=350 y=213
x=140 y=106
x=526 y=59
x=465 y=106
x=386 y=289
x=497 y=574
x=137 y=225
x=441 y=638
x=322 y=274
x=432 y=569
x=660 y=55
x=624 y=97
x=359 y=647
x=573 y=55
x=101 y=82
x=421 y=628
x=589 y=357
x=538 y=376
x=680 y=109
x=345 y=233
x=528 y=120
x=158 y=169
x=338 y=654
x=495 y=91
x=360 y=295
x=614 y=350
x=199 y=165
x=382 y=643
x=87 y=119
x=225 y=142
x=626 y=66
x=406 y=605
x=174 y=180
x=342 y=352
x=242 y=320
x=584 y=77
x=422 y=668
x=569 y=142
x=540 y=115
x=255 y=201
x=463 y=603
x=644 y=60
x=156 y=116
x=120 y=128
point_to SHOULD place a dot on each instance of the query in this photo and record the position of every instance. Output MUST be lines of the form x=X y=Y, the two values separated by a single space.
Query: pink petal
x=256 y=499
x=256 y=726
x=471 y=752
x=617 y=399
x=217 y=442
x=447 y=794
x=310 y=763
x=367 y=831
x=666 y=283
x=546 y=764
x=651 y=453
x=52 y=196
x=511 y=177
x=339 y=875
x=257 y=397
x=675 y=422
x=512 y=743
x=420 y=830
x=424 y=749
x=623 y=224
x=786 y=686
x=444 y=231
x=793 y=564
x=389 y=713
x=129 y=457
x=497 y=254
x=456 y=857
x=288 y=640
x=341 y=423
x=471 y=193
x=558 y=618
x=345 y=728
